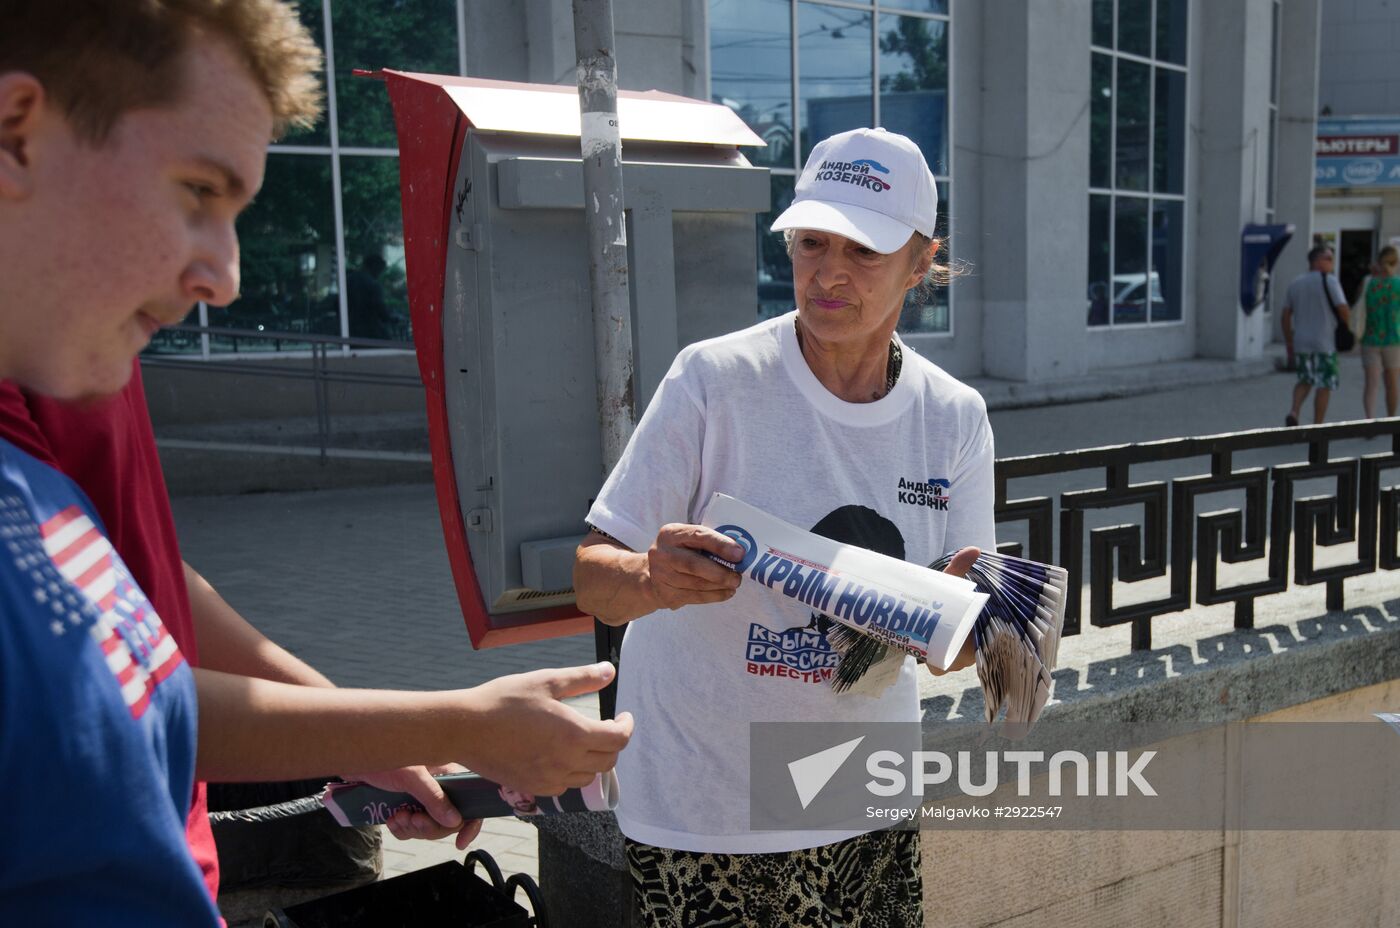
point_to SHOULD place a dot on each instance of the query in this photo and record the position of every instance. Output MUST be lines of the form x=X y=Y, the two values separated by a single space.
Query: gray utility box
x=517 y=323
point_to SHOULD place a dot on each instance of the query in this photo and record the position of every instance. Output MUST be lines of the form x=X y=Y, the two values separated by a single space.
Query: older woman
x=824 y=418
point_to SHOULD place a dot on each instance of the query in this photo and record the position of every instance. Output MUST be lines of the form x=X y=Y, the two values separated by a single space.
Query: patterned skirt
x=870 y=881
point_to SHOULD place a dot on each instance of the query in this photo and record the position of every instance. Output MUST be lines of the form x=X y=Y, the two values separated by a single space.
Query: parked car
x=1131 y=293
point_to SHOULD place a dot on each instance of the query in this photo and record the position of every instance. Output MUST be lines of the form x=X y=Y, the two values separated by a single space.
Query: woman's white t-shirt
x=744 y=415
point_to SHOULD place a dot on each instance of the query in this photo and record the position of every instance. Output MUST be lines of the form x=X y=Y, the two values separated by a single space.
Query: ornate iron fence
x=1173 y=541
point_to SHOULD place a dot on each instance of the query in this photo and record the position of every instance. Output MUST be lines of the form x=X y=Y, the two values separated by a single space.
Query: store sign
x=1358 y=152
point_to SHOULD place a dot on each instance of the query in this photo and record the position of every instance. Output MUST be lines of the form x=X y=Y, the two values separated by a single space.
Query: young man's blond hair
x=98 y=59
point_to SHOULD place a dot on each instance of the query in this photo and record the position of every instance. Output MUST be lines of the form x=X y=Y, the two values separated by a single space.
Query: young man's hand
x=529 y=740
x=439 y=817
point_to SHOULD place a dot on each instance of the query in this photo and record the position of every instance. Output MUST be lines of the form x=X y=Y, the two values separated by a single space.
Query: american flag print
x=139 y=651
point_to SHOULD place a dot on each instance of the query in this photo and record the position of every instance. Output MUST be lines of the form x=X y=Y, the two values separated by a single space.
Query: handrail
x=320 y=373
x=292 y=373
x=308 y=337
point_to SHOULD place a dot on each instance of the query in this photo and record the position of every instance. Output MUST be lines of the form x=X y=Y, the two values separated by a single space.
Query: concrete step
x=283 y=454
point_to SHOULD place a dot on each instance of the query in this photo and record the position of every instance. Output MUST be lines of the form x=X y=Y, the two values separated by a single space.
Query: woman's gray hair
x=937 y=275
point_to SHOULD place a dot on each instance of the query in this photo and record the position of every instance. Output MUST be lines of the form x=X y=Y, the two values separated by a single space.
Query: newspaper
x=473 y=796
x=885 y=608
x=903 y=606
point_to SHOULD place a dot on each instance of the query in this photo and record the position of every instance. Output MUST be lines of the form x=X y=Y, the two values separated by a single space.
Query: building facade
x=1358 y=136
x=1096 y=159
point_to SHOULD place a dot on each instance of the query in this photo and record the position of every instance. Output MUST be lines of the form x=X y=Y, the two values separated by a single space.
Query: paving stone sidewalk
x=356 y=582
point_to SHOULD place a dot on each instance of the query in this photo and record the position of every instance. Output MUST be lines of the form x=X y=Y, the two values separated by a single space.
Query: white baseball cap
x=870 y=185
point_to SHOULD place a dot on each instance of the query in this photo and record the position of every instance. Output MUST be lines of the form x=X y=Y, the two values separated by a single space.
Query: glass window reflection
x=1171 y=31
x=920 y=6
x=376 y=288
x=925 y=312
x=1166 y=260
x=1101 y=122
x=412 y=35
x=1168 y=133
x=1134 y=107
x=914 y=83
x=1137 y=153
x=774 y=266
x=1100 y=293
x=751 y=71
x=1103 y=23
x=288 y=256
x=1132 y=288
x=171 y=341
x=836 y=70
x=309 y=11
x=1135 y=27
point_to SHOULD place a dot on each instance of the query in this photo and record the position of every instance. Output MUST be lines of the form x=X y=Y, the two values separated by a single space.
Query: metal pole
x=601 y=145
x=323 y=413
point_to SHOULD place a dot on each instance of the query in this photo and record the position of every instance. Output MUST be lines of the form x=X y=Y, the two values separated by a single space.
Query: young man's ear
x=22 y=103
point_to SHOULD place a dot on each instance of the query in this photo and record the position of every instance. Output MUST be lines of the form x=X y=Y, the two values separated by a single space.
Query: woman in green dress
x=1380 y=345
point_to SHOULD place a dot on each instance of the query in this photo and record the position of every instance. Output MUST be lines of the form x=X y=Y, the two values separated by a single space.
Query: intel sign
x=1363 y=172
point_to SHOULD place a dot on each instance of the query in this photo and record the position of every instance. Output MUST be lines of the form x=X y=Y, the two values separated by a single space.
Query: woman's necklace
x=892 y=367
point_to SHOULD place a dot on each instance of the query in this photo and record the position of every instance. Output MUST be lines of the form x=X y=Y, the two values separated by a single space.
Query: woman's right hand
x=680 y=573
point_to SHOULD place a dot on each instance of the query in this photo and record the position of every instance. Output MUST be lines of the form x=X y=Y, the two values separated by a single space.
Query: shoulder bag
x=1345 y=339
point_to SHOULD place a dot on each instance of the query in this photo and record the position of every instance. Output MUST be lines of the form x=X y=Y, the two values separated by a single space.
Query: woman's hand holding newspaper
x=680 y=572
x=617 y=584
x=962 y=562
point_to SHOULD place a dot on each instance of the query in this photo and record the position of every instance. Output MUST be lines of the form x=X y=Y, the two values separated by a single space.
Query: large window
x=798 y=71
x=1137 y=162
x=322 y=245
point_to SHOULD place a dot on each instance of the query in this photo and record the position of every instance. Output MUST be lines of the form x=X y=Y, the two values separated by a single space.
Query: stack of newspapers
x=884 y=608
x=1017 y=636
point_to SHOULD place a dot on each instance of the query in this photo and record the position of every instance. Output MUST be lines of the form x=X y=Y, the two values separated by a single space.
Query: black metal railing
x=320 y=348
x=1173 y=541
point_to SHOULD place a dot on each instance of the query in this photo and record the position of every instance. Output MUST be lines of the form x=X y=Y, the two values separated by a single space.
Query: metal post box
x=492 y=188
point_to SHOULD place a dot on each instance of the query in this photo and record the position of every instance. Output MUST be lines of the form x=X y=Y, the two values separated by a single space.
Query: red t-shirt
x=108 y=449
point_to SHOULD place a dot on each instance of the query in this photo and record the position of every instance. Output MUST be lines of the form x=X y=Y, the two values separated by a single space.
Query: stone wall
x=1337 y=667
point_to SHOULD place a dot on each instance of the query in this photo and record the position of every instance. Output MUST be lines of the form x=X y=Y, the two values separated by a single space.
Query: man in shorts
x=1311 y=310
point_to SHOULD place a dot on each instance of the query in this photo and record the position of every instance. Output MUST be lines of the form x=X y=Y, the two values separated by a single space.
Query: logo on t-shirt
x=140 y=653
x=932 y=493
x=800 y=654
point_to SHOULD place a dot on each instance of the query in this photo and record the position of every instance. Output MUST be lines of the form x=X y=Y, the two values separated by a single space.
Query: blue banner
x=1358 y=152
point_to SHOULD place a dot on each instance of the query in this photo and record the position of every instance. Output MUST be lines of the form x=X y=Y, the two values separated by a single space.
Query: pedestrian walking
x=1380 y=340
x=1314 y=305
